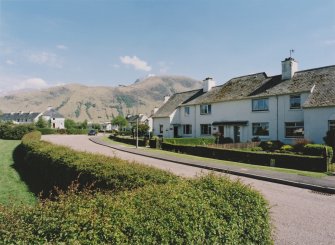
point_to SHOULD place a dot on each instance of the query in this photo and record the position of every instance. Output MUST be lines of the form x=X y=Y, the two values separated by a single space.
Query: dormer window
x=260 y=104
x=295 y=102
x=205 y=109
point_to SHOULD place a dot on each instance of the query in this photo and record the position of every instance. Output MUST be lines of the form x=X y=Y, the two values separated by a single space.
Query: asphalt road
x=299 y=216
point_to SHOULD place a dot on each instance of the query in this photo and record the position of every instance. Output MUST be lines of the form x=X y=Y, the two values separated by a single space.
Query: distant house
x=20 y=117
x=50 y=115
x=287 y=107
x=132 y=119
x=54 y=117
x=107 y=126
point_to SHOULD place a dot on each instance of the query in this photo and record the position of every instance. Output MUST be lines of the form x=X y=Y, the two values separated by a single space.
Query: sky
x=111 y=42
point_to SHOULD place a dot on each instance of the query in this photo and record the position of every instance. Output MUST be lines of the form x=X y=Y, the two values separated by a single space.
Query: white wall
x=55 y=122
x=316 y=123
x=165 y=121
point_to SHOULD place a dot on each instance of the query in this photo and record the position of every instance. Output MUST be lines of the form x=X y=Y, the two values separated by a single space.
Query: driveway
x=300 y=216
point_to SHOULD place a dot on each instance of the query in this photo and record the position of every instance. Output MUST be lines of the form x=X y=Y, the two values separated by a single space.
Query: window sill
x=261 y=111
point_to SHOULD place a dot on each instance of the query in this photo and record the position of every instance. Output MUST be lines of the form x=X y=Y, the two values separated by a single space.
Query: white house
x=286 y=107
x=54 y=117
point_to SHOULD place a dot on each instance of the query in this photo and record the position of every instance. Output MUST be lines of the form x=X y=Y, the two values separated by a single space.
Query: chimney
x=154 y=110
x=209 y=83
x=289 y=67
x=166 y=98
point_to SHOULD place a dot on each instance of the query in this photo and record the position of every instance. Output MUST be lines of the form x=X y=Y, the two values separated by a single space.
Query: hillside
x=99 y=104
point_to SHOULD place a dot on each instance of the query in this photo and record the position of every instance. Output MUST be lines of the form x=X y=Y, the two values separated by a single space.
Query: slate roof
x=53 y=113
x=22 y=117
x=176 y=100
x=321 y=81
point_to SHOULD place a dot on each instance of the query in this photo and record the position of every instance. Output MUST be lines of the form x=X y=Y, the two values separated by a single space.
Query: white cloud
x=9 y=62
x=136 y=62
x=32 y=83
x=45 y=58
x=61 y=46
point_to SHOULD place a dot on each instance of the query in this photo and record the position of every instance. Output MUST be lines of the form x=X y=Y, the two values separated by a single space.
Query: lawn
x=12 y=189
x=229 y=163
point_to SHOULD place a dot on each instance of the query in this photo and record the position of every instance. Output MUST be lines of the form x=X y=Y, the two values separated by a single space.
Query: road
x=299 y=216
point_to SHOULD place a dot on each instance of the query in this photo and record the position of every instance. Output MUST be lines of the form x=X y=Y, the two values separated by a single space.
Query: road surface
x=299 y=216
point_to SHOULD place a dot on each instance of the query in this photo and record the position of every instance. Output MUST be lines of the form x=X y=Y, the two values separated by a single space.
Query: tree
x=69 y=123
x=119 y=121
x=142 y=129
x=41 y=123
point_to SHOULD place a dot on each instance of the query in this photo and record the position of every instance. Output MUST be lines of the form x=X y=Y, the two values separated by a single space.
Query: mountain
x=99 y=104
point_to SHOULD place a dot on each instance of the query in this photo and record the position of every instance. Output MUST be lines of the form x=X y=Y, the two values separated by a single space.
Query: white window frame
x=294 y=99
x=187 y=129
x=186 y=111
x=331 y=124
x=205 y=109
x=294 y=125
x=208 y=131
x=260 y=125
x=260 y=104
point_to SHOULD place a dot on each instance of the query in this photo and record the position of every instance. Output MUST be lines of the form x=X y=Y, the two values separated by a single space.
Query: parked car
x=92 y=132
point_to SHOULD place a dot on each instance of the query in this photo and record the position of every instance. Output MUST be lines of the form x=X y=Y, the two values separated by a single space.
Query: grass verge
x=12 y=189
x=228 y=163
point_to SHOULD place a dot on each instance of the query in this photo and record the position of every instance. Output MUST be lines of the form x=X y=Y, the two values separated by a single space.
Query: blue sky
x=97 y=42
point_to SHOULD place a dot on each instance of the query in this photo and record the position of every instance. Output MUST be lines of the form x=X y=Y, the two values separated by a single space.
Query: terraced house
x=286 y=107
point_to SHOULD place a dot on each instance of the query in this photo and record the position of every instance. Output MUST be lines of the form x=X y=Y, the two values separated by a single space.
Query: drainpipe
x=277 y=131
x=195 y=121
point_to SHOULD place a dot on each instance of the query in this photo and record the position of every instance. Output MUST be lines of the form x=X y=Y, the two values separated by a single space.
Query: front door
x=237 y=134
x=175 y=131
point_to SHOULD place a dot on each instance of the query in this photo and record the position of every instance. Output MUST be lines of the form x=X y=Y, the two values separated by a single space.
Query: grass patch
x=228 y=163
x=12 y=189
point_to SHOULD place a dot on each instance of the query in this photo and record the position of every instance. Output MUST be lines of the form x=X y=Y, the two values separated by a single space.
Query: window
x=294 y=129
x=206 y=128
x=331 y=124
x=205 y=109
x=160 y=128
x=187 y=129
x=260 y=104
x=295 y=102
x=260 y=129
x=187 y=111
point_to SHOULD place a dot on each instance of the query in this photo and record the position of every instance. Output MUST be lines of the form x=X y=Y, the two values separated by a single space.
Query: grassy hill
x=99 y=104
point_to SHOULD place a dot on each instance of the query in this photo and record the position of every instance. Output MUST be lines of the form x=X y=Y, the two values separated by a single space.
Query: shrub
x=318 y=150
x=76 y=131
x=286 y=148
x=208 y=210
x=15 y=132
x=257 y=148
x=271 y=145
x=47 y=165
x=300 y=144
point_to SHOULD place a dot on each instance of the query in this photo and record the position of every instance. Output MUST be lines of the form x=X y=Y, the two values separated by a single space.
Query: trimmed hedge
x=129 y=141
x=46 y=165
x=46 y=131
x=208 y=210
x=308 y=163
x=14 y=131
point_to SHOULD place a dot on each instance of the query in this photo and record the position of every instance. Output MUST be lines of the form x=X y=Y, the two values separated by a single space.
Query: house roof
x=53 y=113
x=133 y=118
x=176 y=100
x=29 y=116
x=320 y=82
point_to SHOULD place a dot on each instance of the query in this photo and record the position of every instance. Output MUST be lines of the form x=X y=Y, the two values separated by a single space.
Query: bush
x=190 y=141
x=300 y=144
x=286 y=148
x=271 y=145
x=257 y=148
x=208 y=210
x=76 y=131
x=330 y=138
x=14 y=131
x=318 y=150
x=46 y=165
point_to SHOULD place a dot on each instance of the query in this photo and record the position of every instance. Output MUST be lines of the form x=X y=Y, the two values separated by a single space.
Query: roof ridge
x=318 y=68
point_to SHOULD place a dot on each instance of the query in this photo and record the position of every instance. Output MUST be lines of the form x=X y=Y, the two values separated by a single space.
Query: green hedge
x=129 y=141
x=318 y=150
x=46 y=165
x=76 y=131
x=208 y=210
x=190 y=141
x=300 y=162
x=14 y=131
x=46 y=131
